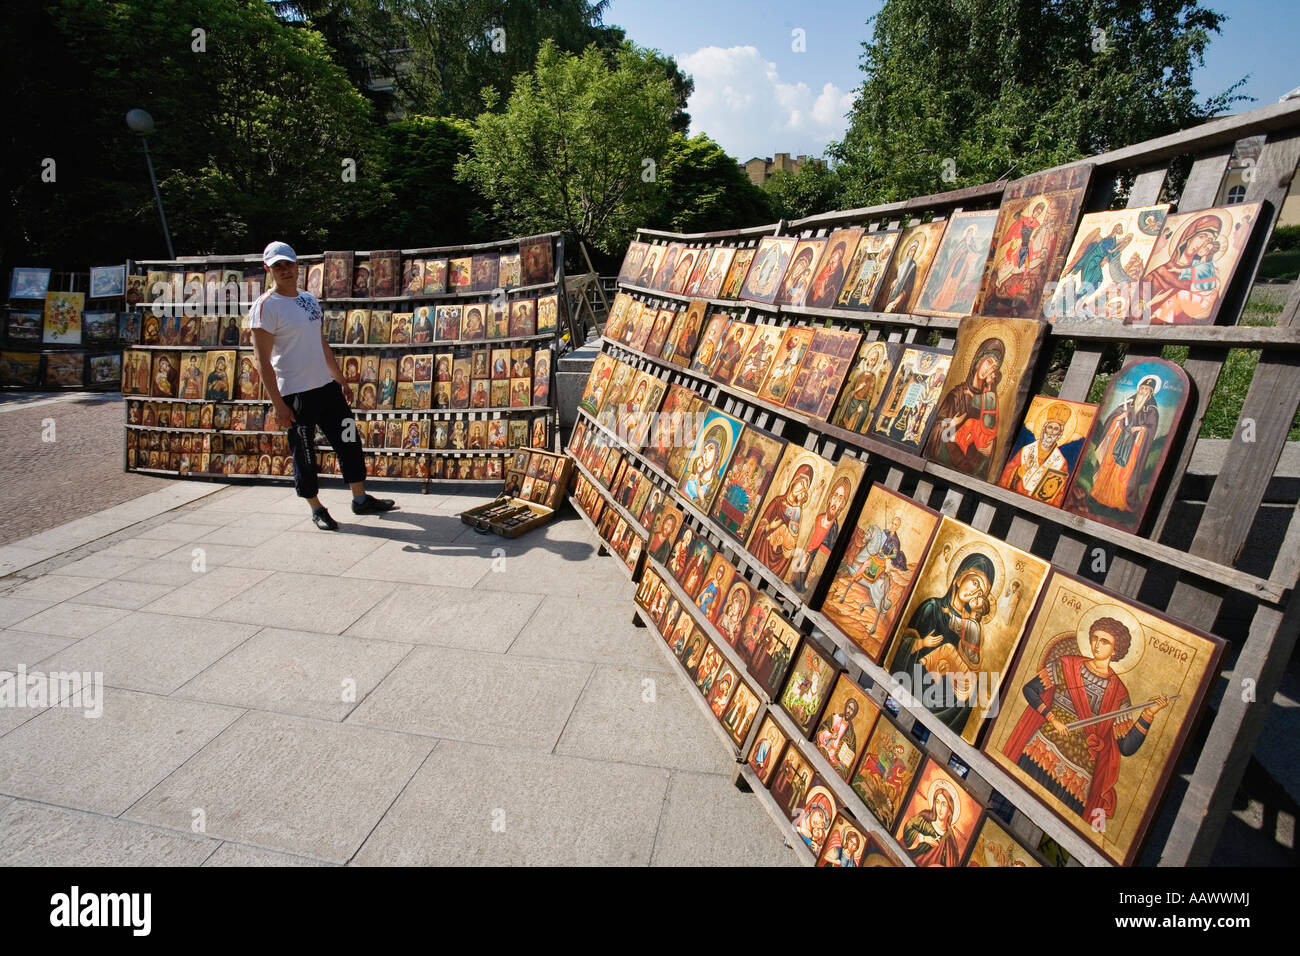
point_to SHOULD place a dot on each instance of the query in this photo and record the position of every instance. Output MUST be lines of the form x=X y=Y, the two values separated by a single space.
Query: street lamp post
x=141 y=123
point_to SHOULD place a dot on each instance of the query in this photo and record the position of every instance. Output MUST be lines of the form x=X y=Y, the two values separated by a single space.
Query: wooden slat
x=1232 y=735
x=1203 y=182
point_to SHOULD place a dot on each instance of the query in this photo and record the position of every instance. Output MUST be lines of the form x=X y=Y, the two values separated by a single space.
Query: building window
x=1236 y=194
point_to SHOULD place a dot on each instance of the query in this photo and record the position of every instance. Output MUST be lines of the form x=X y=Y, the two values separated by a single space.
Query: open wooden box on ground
x=537 y=481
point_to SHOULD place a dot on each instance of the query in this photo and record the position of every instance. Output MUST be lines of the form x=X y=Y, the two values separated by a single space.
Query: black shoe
x=321 y=518
x=372 y=505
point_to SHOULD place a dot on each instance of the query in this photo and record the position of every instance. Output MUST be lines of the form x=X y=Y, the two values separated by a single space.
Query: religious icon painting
x=643 y=323
x=355 y=334
x=985 y=394
x=460 y=274
x=135 y=290
x=819 y=378
x=746 y=482
x=791 y=781
x=683 y=268
x=435 y=276
x=709 y=458
x=963 y=622
x=674 y=428
x=523 y=318
x=667 y=263
x=706 y=672
x=379 y=331
x=808 y=687
x=537 y=260
x=876 y=573
x=63 y=318
x=952 y=285
x=771 y=259
x=547 y=314
x=845 y=724
x=484 y=269
x=740 y=713
x=715 y=274
x=446 y=322
x=883 y=776
x=730 y=620
x=135 y=371
x=711 y=343
x=693 y=652
x=542 y=377
x=1035 y=224
x=800 y=480
x=688 y=550
x=751 y=371
x=784 y=368
x=650 y=581
x=1103 y=269
x=865 y=384
x=813 y=817
x=649 y=266
x=1193 y=263
x=632 y=261
x=1097 y=709
x=701 y=269
x=248 y=379
x=677 y=633
x=166 y=375
x=65 y=369
x=995 y=847
x=717 y=579
x=866 y=271
x=915 y=250
x=799 y=274
x=402 y=327
x=386 y=268
x=769 y=744
x=658 y=338
x=911 y=397
x=664 y=524
x=939 y=821
x=597 y=383
x=765 y=642
x=844 y=844
x=1045 y=453
x=732 y=350
x=833 y=269
x=1127 y=447
x=685 y=333
x=740 y=265
x=191 y=375
x=815 y=539
x=412 y=277
x=620 y=385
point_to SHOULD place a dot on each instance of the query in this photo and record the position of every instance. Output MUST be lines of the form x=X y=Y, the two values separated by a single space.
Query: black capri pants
x=327 y=407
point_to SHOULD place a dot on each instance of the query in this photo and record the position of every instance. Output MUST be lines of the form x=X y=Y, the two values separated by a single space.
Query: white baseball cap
x=278 y=252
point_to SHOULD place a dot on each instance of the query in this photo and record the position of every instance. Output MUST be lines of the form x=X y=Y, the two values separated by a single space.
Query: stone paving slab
x=72 y=620
x=708 y=822
x=236 y=854
x=448 y=617
x=52 y=587
x=153 y=653
x=304 y=787
x=304 y=602
x=105 y=764
x=32 y=834
x=294 y=672
x=15 y=610
x=19 y=648
x=644 y=716
x=491 y=699
x=486 y=806
x=129 y=595
x=602 y=633
x=204 y=593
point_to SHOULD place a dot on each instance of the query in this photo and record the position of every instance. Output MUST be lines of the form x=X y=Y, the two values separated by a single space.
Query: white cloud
x=741 y=101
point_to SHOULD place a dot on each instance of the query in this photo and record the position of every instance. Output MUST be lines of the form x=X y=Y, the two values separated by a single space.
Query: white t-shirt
x=298 y=355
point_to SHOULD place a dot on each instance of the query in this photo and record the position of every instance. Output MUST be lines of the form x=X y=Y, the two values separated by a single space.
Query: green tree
x=254 y=123
x=814 y=189
x=577 y=147
x=424 y=205
x=959 y=92
x=702 y=189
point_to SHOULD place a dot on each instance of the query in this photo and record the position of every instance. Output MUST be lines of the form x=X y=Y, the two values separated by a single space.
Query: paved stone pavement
x=46 y=483
x=406 y=691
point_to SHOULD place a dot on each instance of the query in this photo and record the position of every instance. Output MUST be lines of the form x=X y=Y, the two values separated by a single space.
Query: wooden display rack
x=1188 y=573
x=560 y=338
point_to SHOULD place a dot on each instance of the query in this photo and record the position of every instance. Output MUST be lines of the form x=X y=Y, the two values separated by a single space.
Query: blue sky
x=756 y=95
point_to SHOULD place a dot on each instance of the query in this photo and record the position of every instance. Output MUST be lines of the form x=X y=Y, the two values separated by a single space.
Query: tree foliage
x=703 y=189
x=577 y=146
x=254 y=121
x=959 y=92
x=814 y=189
